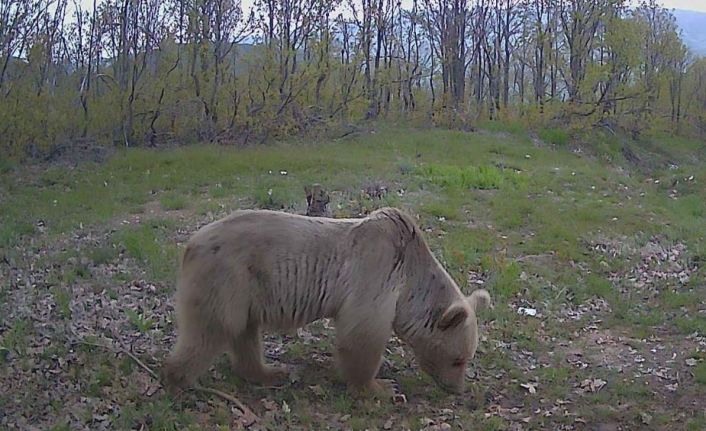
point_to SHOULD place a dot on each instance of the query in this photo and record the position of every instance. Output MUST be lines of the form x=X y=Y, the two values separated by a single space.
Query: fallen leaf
x=646 y=418
x=593 y=385
x=269 y=404
x=531 y=387
x=426 y=421
x=247 y=419
x=317 y=390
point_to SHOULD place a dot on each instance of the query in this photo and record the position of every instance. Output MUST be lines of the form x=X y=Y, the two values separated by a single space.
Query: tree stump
x=317 y=200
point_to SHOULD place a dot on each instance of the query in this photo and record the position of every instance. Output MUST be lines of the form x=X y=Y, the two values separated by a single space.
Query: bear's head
x=448 y=348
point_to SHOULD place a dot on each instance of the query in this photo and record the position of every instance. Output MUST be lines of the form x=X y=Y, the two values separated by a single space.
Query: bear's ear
x=480 y=299
x=455 y=315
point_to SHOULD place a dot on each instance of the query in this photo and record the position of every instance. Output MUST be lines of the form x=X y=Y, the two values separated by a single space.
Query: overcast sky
x=699 y=5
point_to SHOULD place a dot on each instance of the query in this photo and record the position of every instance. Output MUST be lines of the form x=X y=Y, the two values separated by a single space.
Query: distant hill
x=693 y=25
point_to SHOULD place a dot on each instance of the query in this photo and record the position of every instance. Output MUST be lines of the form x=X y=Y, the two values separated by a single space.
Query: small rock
x=527 y=311
x=399 y=399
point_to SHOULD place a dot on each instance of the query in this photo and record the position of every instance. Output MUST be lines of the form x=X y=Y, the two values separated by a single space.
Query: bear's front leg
x=361 y=344
x=359 y=369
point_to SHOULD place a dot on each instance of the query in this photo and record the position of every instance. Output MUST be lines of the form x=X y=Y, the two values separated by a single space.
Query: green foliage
x=697 y=423
x=528 y=236
x=165 y=91
x=16 y=337
x=690 y=206
x=64 y=426
x=405 y=167
x=450 y=176
x=691 y=324
x=276 y=197
x=505 y=276
x=463 y=251
x=514 y=127
x=700 y=373
x=558 y=137
x=441 y=210
x=62 y=298
x=161 y=414
x=174 y=201
x=5 y=166
x=146 y=243
x=101 y=255
x=599 y=286
x=675 y=300
x=100 y=378
x=139 y=321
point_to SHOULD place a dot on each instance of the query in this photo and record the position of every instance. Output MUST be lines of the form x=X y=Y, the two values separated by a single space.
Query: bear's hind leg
x=248 y=361
x=195 y=351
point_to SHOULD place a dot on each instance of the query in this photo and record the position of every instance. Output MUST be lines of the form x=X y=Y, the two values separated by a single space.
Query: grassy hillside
x=593 y=258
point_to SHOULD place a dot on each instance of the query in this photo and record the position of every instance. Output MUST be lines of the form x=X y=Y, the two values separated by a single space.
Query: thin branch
x=228 y=397
x=245 y=409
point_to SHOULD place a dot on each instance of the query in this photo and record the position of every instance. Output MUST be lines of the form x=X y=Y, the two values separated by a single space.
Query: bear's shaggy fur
x=261 y=270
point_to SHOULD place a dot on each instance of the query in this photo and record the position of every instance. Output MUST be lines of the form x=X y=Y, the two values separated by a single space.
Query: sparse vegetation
x=594 y=267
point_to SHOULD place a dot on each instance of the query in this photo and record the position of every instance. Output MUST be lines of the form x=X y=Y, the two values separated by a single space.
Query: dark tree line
x=142 y=72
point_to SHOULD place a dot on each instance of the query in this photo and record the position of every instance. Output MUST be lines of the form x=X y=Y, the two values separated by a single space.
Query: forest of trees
x=146 y=72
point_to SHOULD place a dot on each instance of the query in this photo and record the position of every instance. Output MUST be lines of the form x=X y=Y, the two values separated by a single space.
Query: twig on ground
x=245 y=409
x=141 y=364
x=228 y=397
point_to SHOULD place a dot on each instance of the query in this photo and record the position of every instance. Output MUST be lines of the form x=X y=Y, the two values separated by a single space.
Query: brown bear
x=261 y=270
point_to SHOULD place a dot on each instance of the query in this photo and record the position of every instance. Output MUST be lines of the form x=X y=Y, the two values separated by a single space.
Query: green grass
x=62 y=298
x=101 y=255
x=599 y=286
x=16 y=337
x=691 y=324
x=139 y=321
x=171 y=201
x=147 y=244
x=471 y=177
x=696 y=424
x=558 y=137
x=505 y=281
x=441 y=210
x=522 y=216
x=700 y=373
x=160 y=414
x=673 y=299
x=463 y=252
x=516 y=128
